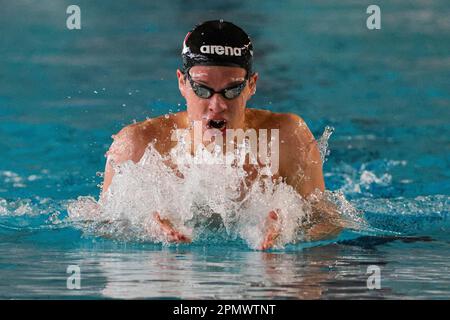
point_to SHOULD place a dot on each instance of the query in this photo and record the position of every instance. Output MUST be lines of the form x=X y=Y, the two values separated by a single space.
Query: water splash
x=217 y=195
x=323 y=143
x=204 y=197
x=421 y=215
x=215 y=204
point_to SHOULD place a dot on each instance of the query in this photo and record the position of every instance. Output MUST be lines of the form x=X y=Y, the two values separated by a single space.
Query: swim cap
x=217 y=43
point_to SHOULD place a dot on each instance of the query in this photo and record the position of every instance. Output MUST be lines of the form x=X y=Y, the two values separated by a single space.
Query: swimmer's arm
x=128 y=145
x=124 y=147
x=325 y=222
x=304 y=173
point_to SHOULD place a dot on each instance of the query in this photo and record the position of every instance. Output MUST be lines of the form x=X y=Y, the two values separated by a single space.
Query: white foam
x=196 y=195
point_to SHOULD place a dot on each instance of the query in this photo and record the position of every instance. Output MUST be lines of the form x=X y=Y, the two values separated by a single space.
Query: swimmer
x=217 y=80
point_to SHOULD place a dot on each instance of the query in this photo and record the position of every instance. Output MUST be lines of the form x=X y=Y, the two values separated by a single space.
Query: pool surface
x=386 y=93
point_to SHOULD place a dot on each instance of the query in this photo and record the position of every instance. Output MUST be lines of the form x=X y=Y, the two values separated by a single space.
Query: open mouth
x=216 y=124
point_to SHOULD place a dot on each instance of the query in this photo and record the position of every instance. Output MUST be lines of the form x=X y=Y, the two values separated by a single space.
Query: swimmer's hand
x=272 y=230
x=169 y=230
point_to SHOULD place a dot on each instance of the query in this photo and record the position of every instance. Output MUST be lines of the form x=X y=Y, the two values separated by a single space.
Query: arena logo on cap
x=221 y=50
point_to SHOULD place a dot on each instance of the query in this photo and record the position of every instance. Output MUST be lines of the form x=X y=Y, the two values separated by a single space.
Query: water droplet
x=323 y=142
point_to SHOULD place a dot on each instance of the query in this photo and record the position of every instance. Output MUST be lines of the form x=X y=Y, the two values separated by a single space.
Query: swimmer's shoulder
x=275 y=120
x=134 y=138
x=127 y=144
x=298 y=148
x=294 y=130
x=294 y=133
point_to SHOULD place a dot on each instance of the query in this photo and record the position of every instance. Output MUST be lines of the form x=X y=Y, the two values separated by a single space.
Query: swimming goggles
x=205 y=92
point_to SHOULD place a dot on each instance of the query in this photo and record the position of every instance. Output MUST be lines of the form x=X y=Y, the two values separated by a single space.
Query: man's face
x=217 y=110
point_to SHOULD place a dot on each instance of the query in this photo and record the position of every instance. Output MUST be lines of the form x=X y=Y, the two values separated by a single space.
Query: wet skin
x=298 y=151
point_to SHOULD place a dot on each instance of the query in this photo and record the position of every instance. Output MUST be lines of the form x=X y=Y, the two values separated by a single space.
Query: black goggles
x=205 y=92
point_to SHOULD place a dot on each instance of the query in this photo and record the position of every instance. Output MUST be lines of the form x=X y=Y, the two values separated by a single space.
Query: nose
x=217 y=104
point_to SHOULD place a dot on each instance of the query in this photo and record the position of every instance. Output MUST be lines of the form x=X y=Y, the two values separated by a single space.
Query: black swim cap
x=217 y=43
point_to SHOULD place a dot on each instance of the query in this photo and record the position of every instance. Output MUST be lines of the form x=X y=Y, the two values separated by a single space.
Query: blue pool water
x=386 y=93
